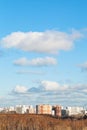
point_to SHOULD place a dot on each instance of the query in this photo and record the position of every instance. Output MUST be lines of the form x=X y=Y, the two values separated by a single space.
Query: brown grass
x=39 y=122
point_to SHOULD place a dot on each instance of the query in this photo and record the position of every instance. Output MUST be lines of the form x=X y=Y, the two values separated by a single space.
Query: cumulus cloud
x=44 y=42
x=50 y=92
x=52 y=86
x=20 y=89
x=43 y=86
x=36 y=62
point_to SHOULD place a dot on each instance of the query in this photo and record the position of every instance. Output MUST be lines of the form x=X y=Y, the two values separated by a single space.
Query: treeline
x=39 y=122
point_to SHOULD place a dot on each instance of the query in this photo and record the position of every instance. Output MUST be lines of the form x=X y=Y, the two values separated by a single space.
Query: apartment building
x=44 y=109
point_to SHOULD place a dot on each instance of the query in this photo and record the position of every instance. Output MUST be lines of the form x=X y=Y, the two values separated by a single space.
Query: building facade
x=57 y=110
x=43 y=109
x=74 y=110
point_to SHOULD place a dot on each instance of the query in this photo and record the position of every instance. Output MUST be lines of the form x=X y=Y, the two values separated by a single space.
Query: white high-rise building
x=74 y=110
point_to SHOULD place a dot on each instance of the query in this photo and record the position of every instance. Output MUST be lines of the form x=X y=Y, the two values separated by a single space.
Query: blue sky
x=43 y=52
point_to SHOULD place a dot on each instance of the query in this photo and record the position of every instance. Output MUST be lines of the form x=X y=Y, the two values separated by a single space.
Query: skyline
x=43 y=52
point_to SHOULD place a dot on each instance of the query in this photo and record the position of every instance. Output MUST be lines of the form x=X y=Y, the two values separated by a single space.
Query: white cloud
x=83 y=66
x=20 y=89
x=22 y=61
x=80 y=87
x=85 y=90
x=52 y=93
x=30 y=72
x=44 y=42
x=36 y=62
x=52 y=86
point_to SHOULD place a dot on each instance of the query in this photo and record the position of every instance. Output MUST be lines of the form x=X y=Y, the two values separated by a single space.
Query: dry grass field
x=39 y=122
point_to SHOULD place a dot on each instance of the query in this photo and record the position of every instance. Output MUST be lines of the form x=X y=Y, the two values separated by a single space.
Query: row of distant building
x=55 y=110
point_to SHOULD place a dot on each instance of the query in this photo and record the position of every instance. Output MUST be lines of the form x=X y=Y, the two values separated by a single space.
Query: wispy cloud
x=83 y=66
x=30 y=72
x=36 y=62
x=43 y=42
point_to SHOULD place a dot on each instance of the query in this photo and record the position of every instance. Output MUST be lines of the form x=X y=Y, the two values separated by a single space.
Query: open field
x=39 y=122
